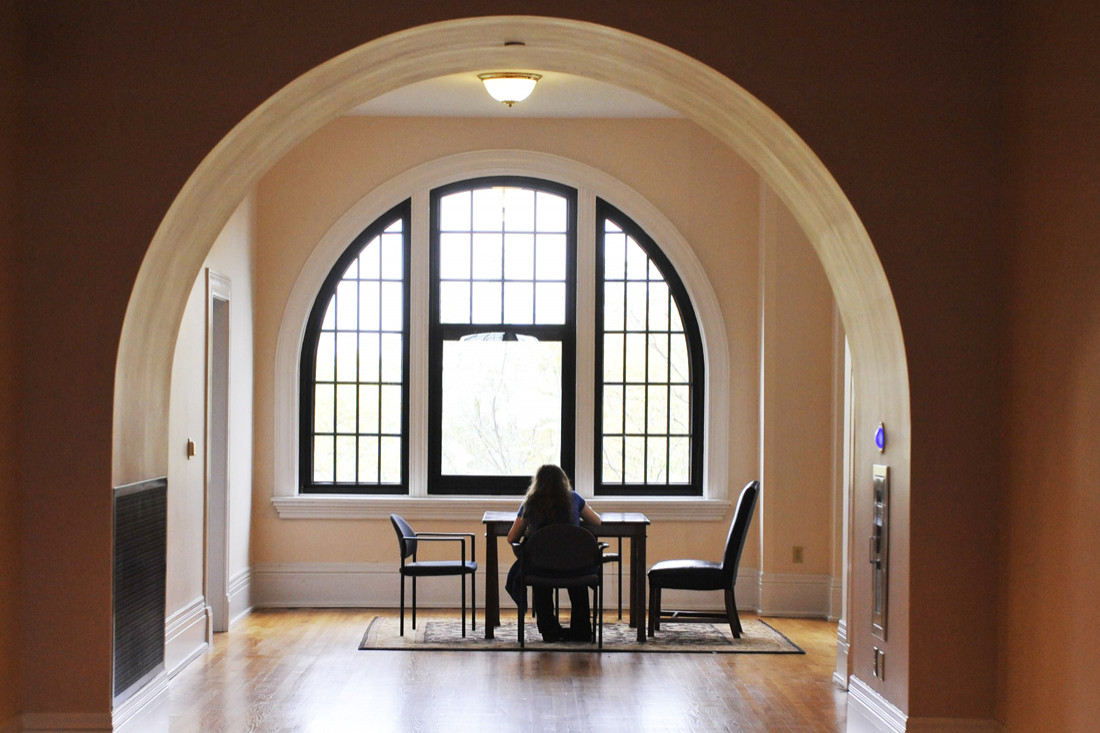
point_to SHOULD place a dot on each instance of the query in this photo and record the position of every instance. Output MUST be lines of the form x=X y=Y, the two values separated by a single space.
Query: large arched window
x=501 y=351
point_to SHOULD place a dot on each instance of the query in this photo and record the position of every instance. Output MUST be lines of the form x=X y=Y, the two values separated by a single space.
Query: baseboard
x=794 y=595
x=376 y=585
x=239 y=594
x=64 y=722
x=185 y=636
x=870 y=712
x=840 y=671
x=146 y=711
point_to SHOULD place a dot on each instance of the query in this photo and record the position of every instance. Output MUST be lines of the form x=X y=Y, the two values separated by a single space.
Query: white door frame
x=216 y=540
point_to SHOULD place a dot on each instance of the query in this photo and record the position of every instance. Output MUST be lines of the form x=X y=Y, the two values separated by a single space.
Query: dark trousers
x=542 y=599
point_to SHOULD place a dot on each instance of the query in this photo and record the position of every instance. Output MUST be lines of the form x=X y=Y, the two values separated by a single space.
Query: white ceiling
x=556 y=95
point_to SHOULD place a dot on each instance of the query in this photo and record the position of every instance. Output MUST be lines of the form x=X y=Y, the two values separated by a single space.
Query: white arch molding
x=417 y=184
x=699 y=93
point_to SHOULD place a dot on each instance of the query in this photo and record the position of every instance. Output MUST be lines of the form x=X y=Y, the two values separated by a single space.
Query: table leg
x=637 y=585
x=492 y=586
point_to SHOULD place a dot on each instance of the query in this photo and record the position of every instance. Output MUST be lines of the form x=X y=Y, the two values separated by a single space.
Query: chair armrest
x=452 y=537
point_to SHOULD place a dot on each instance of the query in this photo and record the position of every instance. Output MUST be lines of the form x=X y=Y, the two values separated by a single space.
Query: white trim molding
x=870 y=712
x=794 y=595
x=186 y=634
x=239 y=594
x=417 y=184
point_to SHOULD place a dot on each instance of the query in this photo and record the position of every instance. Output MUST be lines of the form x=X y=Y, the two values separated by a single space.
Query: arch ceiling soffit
x=700 y=93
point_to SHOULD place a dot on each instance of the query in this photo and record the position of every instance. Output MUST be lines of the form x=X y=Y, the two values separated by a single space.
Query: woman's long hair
x=549 y=498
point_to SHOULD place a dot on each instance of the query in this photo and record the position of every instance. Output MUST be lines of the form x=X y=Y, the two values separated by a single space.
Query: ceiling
x=556 y=95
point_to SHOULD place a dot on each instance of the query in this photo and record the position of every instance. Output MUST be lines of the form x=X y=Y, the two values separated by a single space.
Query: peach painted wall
x=709 y=195
x=897 y=99
x=231 y=258
x=1050 y=655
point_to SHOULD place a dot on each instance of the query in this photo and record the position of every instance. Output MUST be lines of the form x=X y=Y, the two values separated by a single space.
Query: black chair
x=408 y=541
x=563 y=556
x=703 y=575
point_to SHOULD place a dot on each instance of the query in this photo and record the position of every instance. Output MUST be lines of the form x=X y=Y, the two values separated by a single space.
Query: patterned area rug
x=757 y=638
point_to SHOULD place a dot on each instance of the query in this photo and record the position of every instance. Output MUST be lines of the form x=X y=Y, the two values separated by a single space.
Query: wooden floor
x=301 y=670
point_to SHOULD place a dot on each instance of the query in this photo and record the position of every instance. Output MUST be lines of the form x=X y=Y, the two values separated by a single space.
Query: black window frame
x=696 y=384
x=438 y=332
x=307 y=364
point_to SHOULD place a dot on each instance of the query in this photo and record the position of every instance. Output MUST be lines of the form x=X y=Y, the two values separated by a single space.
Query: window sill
x=328 y=506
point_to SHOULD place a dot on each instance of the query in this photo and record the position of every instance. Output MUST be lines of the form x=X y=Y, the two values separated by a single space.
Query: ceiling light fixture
x=509 y=87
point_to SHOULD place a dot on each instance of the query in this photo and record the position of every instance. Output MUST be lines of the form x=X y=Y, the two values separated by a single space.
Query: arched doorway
x=702 y=95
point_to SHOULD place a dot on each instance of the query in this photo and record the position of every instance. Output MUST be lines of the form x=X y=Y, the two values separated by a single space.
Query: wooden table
x=631 y=525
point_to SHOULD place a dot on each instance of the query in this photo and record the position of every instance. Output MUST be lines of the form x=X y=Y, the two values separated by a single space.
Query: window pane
x=658 y=357
x=657 y=410
x=635 y=357
x=678 y=364
x=326 y=357
x=323 y=466
x=369 y=259
x=614 y=265
x=679 y=413
x=324 y=409
x=501 y=410
x=346 y=306
x=613 y=460
x=454 y=256
x=393 y=311
x=679 y=460
x=656 y=460
x=637 y=298
x=519 y=257
x=391 y=409
x=613 y=410
x=614 y=304
x=391 y=460
x=634 y=460
x=370 y=356
x=488 y=212
x=613 y=357
x=368 y=460
x=551 y=212
x=393 y=255
x=637 y=263
x=550 y=257
x=392 y=352
x=346 y=454
x=658 y=306
x=454 y=212
x=369 y=295
x=519 y=303
x=368 y=408
x=487 y=302
x=454 y=302
x=519 y=210
x=634 y=412
x=488 y=257
x=347 y=356
x=550 y=303
x=346 y=408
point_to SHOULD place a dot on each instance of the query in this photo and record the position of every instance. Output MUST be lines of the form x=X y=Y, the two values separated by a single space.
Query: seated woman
x=551 y=500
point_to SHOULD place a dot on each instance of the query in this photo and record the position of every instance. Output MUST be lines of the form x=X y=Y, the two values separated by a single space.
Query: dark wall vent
x=140 y=524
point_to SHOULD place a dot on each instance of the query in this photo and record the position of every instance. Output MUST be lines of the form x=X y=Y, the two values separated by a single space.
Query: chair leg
x=462 y=586
x=620 y=569
x=473 y=601
x=654 y=608
x=519 y=624
x=402 y=625
x=414 y=603
x=731 y=614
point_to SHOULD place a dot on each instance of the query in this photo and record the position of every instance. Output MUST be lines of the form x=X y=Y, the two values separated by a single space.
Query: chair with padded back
x=409 y=541
x=563 y=556
x=703 y=575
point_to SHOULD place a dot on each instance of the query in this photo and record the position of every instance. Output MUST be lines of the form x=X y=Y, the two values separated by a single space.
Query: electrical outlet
x=796 y=554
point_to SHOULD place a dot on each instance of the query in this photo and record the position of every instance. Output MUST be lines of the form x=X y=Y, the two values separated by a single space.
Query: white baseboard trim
x=870 y=712
x=840 y=671
x=376 y=585
x=239 y=594
x=185 y=636
x=146 y=711
x=63 y=722
x=794 y=595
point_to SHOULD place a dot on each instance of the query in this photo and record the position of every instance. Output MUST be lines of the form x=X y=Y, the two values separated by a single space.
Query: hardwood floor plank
x=301 y=670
